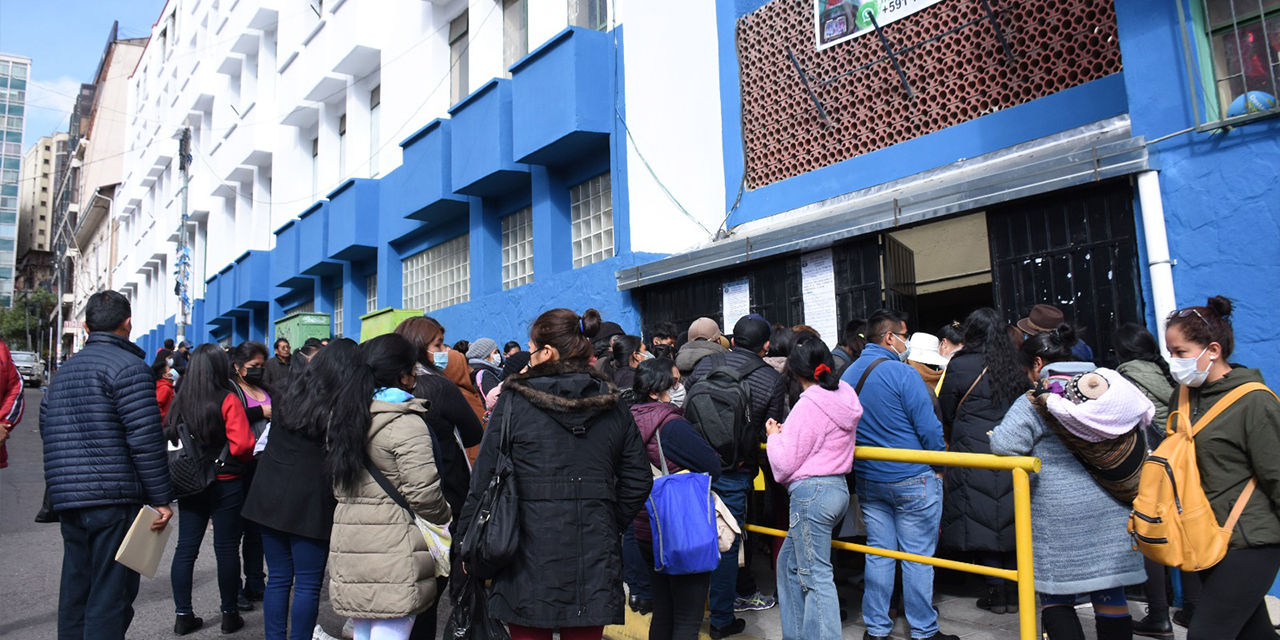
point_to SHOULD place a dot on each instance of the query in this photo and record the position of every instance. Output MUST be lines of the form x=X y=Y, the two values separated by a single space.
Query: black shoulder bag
x=490 y=543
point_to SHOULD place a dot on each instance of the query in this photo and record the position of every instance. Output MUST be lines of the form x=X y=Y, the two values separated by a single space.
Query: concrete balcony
x=421 y=187
x=482 y=162
x=285 y=259
x=353 y=220
x=562 y=98
x=252 y=273
x=313 y=255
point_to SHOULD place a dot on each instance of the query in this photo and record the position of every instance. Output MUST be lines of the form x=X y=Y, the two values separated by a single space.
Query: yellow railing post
x=1026 y=564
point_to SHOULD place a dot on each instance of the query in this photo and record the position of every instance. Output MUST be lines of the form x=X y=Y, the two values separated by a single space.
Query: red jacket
x=164 y=395
x=11 y=401
x=238 y=432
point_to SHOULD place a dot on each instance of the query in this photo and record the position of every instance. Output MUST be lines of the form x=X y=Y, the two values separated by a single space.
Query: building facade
x=14 y=71
x=41 y=166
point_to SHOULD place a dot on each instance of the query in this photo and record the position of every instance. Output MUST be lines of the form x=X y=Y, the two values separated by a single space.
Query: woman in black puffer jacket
x=977 y=504
x=582 y=475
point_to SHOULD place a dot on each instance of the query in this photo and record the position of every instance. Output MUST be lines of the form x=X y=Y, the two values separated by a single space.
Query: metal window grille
x=517 y=248
x=458 y=67
x=306 y=307
x=337 y=312
x=371 y=294
x=1231 y=48
x=439 y=276
x=592 y=221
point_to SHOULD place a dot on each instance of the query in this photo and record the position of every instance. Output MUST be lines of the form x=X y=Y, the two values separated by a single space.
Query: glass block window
x=439 y=276
x=517 y=249
x=371 y=294
x=592 y=221
x=337 y=312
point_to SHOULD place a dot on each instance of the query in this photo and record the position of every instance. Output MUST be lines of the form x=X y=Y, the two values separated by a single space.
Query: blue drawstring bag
x=682 y=515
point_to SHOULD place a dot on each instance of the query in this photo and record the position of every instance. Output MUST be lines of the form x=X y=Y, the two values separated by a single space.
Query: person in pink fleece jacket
x=810 y=454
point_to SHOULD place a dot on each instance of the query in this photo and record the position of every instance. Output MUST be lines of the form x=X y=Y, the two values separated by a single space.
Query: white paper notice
x=737 y=303
x=818 y=287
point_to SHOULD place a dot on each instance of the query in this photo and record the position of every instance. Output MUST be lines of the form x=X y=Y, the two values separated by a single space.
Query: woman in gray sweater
x=1078 y=530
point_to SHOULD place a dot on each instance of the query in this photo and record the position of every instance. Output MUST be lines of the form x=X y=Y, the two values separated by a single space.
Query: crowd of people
x=360 y=462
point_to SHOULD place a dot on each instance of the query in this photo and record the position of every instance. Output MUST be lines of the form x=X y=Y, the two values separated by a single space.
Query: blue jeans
x=221 y=503
x=295 y=562
x=732 y=488
x=95 y=599
x=634 y=571
x=1114 y=596
x=902 y=516
x=806 y=584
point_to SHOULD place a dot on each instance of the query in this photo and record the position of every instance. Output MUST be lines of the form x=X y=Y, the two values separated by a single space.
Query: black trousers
x=1232 y=602
x=678 y=601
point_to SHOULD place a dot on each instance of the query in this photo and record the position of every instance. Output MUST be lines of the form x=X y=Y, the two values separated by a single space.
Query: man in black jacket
x=750 y=343
x=277 y=368
x=104 y=457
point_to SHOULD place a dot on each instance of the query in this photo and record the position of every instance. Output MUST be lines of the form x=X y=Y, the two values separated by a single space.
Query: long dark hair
x=244 y=352
x=315 y=388
x=204 y=388
x=421 y=331
x=811 y=361
x=623 y=346
x=984 y=333
x=780 y=342
x=1132 y=342
x=653 y=376
x=160 y=364
x=385 y=359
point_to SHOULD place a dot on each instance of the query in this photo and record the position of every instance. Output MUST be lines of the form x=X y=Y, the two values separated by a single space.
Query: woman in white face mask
x=1240 y=444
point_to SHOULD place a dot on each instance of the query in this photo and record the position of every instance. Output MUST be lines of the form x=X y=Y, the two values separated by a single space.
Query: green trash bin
x=298 y=327
x=384 y=321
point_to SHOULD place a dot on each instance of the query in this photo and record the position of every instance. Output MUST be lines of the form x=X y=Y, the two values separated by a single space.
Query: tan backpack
x=1172 y=522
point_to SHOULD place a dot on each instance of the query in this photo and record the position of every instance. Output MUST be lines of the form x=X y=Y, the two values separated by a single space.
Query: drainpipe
x=1158 y=261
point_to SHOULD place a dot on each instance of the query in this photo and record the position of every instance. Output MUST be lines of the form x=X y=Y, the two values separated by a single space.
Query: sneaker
x=734 y=628
x=349 y=629
x=1153 y=626
x=321 y=634
x=994 y=601
x=186 y=623
x=754 y=602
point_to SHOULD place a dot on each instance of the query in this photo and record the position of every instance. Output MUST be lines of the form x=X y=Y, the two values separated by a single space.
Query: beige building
x=40 y=171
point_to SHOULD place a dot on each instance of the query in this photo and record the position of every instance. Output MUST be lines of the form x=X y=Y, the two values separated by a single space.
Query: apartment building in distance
x=14 y=72
x=41 y=166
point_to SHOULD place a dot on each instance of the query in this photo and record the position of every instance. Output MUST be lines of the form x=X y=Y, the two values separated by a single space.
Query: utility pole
x=184 y=248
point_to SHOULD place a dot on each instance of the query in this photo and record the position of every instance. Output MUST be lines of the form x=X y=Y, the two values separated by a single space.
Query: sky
x=65 y=40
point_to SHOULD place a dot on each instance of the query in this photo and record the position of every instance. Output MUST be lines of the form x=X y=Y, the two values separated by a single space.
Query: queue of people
x=360 y=461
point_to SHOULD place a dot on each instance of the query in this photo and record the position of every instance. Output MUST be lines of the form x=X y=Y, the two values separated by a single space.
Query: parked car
x=30 y=367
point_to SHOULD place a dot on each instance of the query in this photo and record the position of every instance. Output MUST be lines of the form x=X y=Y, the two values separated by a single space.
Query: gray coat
x=1079 y=532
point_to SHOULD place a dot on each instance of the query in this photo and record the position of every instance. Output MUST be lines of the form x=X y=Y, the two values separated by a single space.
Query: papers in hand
x=142 y=547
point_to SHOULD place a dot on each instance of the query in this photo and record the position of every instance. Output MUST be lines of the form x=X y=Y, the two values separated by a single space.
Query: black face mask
x=253 y=376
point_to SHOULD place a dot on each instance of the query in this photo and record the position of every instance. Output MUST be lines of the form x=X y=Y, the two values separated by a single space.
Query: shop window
x=371 y=294
x=440 y=276
x=515 y=33
x=591 y=14
x=458 y=67
x=592 y=221
x=1238 y=48
x=337 y=312
x=517 y=249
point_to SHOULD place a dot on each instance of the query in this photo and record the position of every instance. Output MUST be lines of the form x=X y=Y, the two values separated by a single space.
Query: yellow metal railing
x=1024 y=575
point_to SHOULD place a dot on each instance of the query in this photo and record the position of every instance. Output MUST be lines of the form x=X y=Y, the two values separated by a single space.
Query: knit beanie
x=480 y=349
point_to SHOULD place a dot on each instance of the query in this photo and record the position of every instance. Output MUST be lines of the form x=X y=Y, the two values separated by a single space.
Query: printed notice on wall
x=838 y=20
x=818 y=287
x=737 y=303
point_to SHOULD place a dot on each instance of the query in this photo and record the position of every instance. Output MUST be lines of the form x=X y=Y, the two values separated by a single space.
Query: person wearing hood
x=704 y=340
x=381 y=571
x=583 y=477
x=677 y=600
x=810 y=454
x=486 y=365
x=1240 y=444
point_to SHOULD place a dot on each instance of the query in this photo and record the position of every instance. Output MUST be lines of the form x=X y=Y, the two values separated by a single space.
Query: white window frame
x=440 y=276
x=338 y=297
x=592 y=220
x=342 y=147
x=515 y=33
x=459 y=62
x=517 y=248
x=371 y=293
x=375 y=129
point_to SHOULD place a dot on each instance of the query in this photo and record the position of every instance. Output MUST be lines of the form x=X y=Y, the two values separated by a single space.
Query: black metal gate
x=1074 y=249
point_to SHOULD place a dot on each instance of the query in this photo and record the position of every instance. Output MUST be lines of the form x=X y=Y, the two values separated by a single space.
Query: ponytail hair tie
x=582 y=327
x=821 y=369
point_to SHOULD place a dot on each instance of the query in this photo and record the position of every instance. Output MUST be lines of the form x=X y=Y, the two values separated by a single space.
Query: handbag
x=190 y=472
x=437 y=535
x=491 y=542
x=470 y=619
x=682 y=515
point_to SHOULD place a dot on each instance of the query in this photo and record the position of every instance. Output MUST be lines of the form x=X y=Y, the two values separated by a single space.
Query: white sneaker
x=349 y=628
x=321 y=634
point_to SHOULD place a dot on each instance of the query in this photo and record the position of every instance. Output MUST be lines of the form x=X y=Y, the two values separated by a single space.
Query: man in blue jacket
x=901 y=502
x=104 y=457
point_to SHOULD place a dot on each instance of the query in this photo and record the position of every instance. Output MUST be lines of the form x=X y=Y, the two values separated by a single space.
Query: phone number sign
x=838 y=20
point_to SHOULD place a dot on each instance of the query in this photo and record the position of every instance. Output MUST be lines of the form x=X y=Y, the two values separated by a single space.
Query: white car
x=30 y=367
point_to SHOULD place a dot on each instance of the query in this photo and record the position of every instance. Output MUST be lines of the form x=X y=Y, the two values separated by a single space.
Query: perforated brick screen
x=956 y=77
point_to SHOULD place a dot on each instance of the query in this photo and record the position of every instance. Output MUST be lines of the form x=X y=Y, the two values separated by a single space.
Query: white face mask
x=169 y=361
x=1187 y=372
x=677 y=396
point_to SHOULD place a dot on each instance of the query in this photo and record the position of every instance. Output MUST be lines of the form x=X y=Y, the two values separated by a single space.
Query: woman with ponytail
x=810 y=454
x=1080 y=532
x=583 y=475
x=382 y=573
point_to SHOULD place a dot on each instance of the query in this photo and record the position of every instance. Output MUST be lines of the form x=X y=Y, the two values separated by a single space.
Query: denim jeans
x=221 y=503
x=634 y=571
x=732 y=488
x=902 y=516
x=806 y=584
x=297 y=563
x=96 y=597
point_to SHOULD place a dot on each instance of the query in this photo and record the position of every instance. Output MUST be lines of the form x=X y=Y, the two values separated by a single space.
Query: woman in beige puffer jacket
x=379 y=565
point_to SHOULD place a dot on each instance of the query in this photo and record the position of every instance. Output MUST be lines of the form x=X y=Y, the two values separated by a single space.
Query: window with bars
x=592 y=221
x=515 y=33
x=1237 y=46
x=337 y=312
x=517 y=248
x=458 y=64
x=306 y=307
x=592 y=14
x=440 y=276
x=371 y=294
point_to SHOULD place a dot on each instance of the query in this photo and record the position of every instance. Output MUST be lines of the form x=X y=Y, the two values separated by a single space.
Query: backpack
x=682 y=516
x=719 y=407
x=1172 y=521
x=190 y=470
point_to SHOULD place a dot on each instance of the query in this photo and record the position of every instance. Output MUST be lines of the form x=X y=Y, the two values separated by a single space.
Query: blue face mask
x=441 y=359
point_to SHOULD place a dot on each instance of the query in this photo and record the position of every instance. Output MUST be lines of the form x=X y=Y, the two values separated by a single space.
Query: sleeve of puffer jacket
x=139 y=413
x=419 y=479
x=634 y=476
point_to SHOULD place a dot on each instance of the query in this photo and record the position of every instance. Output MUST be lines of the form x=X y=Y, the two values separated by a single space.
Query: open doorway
x=952 y=269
